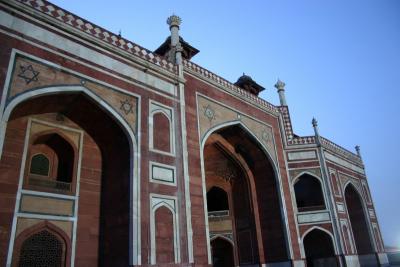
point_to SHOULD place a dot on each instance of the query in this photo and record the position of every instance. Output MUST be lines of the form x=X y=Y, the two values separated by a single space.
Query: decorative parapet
x=229 y=86
x=98 y=32
x=292 y=139
x=329 y=145
x=303 y=140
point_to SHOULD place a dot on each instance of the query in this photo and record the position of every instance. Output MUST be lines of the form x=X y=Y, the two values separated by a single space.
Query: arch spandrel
x=212 y=114
x=294 y=174
x=38 y=128
x=345 y=180
x=31 y=74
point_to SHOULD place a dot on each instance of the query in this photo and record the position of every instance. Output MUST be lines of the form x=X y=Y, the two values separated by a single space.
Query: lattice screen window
x=40 y=165
x=42 y=250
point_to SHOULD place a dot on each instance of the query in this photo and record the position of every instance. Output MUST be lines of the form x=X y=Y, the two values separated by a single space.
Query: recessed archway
x=231 y=152
x=118 y=166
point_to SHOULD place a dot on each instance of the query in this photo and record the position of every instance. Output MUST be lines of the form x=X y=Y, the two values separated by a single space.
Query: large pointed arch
x=362 y=234
x=275 y=170
x=134 y=170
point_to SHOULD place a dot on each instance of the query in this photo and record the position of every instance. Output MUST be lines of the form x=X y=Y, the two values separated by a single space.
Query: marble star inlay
x=28 y=74
x=126 y=106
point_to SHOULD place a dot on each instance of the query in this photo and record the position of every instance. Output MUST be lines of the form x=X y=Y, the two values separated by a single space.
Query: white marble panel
x=313 y=217
x=302 y=155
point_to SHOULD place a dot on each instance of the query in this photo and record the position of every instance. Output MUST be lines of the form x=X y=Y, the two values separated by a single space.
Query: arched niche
x=319 y=249
x=164 y=235
x=222 y=251
x=161 y=132
x=309 y=193
x=52 y=163
x=217 y=200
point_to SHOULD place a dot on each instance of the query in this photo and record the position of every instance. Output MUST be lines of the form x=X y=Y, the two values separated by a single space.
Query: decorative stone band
x=229 y=86
x=98 y=32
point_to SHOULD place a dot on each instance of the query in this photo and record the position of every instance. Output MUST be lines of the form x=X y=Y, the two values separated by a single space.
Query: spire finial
x=174 y=20
x=175 y=54
x=357 y=147
x=314 y=122
x=280 y=85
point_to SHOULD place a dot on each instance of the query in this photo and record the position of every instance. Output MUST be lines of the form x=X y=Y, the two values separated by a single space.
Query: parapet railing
x=49 y=183
x=228 y=85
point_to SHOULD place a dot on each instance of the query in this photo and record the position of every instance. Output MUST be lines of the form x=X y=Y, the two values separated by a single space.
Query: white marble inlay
x=302 y=155
x=313 y=217
x=162 y=173
x=340 y=207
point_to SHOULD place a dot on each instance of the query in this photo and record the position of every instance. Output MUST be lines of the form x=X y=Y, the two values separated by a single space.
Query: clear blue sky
x=340 y=60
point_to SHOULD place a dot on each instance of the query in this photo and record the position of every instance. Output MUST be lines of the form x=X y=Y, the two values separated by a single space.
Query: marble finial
x=174 y=21
x=280 y=85
x=357 y=147
x=314 y=122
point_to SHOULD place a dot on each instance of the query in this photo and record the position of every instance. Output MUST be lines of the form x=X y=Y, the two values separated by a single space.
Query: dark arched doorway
x=359 y=226
x=222 y=253
x=319 y=249
x=235 y=162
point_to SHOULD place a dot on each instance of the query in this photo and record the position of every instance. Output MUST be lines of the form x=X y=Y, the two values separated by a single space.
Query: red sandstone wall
x=164 y=236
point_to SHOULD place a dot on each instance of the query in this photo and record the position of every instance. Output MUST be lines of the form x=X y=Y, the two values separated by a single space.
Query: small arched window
x=40 y=165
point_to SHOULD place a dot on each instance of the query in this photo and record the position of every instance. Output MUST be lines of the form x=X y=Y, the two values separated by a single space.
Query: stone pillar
x=174 y=22
x=281 y=91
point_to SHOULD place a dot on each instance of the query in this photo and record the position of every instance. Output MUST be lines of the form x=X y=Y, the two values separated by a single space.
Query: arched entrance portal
x=319 y=249
x=106 y=172
x=359 y=226
x=243 y=197
x=222 y=252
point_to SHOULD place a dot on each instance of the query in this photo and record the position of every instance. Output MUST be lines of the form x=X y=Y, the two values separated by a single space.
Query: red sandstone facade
x=111 y=155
